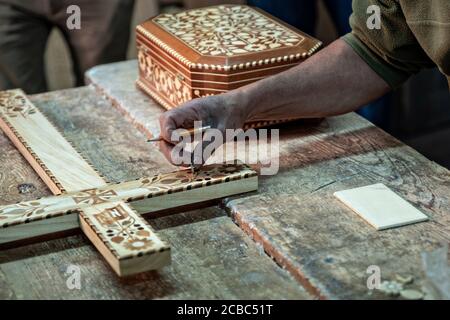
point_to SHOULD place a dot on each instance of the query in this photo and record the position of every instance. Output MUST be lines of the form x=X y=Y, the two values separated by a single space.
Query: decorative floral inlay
x=15 y=104
x=167 y=84
x=227 y=30
x=163 y=182
x=22 y=210
x=123 y=229
x=94 y=196
x=145 y=187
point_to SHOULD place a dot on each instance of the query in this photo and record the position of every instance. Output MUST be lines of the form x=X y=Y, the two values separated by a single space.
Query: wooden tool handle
x=188 y=132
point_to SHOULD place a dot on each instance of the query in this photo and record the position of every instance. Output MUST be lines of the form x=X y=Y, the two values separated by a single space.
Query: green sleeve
x=391 y=51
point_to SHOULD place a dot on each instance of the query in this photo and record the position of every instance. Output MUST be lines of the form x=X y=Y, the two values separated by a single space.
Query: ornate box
x=208 y=51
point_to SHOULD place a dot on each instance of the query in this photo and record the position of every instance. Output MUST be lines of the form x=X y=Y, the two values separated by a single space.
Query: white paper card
x=380 y=206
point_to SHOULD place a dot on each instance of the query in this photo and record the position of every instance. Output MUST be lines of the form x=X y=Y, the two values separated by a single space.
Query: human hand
x=224 y=111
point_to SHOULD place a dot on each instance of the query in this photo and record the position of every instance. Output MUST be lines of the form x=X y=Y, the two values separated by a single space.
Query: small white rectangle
x=380 y=206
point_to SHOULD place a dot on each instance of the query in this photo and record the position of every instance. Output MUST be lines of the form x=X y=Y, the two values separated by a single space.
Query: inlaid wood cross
x=84 y=199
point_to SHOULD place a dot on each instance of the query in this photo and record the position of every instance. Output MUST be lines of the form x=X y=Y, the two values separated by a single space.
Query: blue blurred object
x=298 y=13
x=302 y=14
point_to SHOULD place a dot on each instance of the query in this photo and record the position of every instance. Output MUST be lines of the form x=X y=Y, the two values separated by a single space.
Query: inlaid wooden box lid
x=211 y=50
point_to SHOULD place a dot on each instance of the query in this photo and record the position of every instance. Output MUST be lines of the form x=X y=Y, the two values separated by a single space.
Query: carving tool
x=88 y=202
x=188 y=132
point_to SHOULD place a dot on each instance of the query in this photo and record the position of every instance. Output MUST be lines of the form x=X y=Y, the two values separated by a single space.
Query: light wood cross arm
x=104 y=214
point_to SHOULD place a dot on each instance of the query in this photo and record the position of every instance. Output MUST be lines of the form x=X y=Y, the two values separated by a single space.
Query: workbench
x=290 y=240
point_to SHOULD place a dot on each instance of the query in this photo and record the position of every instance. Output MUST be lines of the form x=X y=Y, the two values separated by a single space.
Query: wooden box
x=208 y=51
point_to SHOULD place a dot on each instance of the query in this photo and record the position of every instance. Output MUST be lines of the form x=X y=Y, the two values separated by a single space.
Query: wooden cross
x=84 y=199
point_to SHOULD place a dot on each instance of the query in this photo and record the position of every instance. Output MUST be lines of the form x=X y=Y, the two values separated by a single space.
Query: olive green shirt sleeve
x=392 y=51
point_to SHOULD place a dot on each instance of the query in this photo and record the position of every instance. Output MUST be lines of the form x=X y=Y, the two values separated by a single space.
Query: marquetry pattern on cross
x=120 y=233
x=140 y=189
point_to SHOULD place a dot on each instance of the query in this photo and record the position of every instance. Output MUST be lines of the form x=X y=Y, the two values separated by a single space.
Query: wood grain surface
x=123 y=237
x=43 y=146
x=212 y=258
x=161 y=191
x=295 y=217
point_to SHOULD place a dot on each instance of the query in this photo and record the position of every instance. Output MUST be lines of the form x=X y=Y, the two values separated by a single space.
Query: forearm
x=334 y=81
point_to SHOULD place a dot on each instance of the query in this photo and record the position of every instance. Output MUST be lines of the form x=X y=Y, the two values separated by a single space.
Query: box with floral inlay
x=208 y=51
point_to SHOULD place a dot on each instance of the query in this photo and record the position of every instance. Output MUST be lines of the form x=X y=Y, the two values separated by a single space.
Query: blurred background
x=57 y=57
x=418 y=113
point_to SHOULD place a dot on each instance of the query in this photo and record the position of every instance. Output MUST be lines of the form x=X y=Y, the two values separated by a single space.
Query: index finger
x=167 y=124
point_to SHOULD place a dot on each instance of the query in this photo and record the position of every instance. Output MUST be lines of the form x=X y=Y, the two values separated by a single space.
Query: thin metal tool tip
x=185 y=134
x=154 y=139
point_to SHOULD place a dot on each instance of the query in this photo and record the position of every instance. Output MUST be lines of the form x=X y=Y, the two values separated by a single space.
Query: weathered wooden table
x=291 y=240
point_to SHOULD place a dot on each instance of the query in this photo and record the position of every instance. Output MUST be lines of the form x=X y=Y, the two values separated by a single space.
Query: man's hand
x=224 y=111
x=332 y=82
